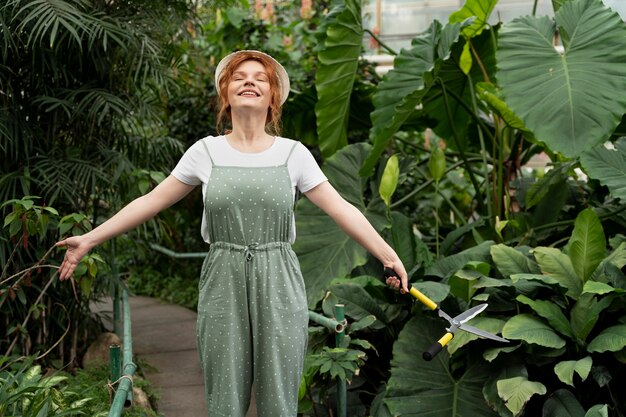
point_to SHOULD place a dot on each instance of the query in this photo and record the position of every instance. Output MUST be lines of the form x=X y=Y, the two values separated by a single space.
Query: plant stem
x=6 y=266
x=469 y=111
x=483 y=149
x=23 y=272
x=381 y=43
x=427 y=183
x=458 y=144
x=453 y=207
x=449 y=153
x=30 y=312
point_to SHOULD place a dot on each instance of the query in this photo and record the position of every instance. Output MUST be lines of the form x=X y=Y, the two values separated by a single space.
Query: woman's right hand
x=77 y=248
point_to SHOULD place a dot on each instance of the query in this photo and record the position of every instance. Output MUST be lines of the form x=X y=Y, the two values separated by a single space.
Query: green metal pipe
x=115 y=363
x=329 y=323
x=341 y=383
x=117 y=314
x=173 y=254
x=117 y=317
x=124 y=393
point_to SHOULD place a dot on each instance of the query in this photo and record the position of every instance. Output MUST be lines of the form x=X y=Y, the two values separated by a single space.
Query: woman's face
x=249 y=87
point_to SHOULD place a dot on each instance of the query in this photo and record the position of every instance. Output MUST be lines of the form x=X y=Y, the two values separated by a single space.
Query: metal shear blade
x=459 y=321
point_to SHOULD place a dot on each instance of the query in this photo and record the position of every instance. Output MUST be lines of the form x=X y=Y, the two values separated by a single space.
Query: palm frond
x=70 y=179
x=43 y=19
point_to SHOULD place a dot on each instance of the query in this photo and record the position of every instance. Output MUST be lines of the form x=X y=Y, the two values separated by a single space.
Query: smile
x=249 y=93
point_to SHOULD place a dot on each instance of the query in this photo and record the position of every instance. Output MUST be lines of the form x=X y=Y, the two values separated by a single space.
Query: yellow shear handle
x=437 y=347
x=413 y=291
x=422 y=298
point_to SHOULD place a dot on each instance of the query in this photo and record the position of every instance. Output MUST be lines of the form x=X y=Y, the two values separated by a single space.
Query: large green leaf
x=403 y=88
x=324 y=250
x=608 y=166
x=551 y=312
x=510 y=261
x=587 y=246
x=338 y=61
x=533 y=330
x=574 y=100
x=421 y=388
x=558 y=265
x=612 y=339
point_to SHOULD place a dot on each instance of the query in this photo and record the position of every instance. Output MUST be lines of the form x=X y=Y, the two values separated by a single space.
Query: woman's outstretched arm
x=135 y=213
x=354 y=223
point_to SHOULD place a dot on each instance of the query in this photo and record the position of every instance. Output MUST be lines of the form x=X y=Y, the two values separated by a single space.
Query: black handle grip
x=388 y=272
x=432 y=351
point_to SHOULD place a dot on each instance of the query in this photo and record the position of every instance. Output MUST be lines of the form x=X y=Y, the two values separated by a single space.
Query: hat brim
x=283 y=77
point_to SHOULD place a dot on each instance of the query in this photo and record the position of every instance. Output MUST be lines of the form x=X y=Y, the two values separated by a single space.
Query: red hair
x=272 y=122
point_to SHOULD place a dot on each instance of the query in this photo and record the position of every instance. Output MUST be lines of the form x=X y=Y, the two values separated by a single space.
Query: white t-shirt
x=194 y=168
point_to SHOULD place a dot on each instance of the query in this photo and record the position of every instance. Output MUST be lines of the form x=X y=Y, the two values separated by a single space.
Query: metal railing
x=123 y=370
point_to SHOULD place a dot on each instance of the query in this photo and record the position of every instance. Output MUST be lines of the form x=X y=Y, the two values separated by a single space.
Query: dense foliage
x=439 y=168
x=444 y=179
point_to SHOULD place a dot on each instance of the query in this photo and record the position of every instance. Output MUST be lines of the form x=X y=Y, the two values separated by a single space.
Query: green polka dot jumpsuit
x=252 y=310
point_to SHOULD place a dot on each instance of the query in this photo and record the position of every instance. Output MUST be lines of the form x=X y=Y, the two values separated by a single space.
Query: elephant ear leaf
x=336 y=72
x=573 y=100
x=404 y=86
x=419 y=388
x=324 y=250
x=608 y=166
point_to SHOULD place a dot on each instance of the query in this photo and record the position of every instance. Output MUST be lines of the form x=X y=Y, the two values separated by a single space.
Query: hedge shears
x=456 y=323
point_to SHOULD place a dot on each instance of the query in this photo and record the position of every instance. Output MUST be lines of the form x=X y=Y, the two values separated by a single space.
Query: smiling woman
x=252 y=307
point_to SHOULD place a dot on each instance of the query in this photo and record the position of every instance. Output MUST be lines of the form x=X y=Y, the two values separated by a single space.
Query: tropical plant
x=561 y=309
x=83 y=85
x=469 y=82
x=38 y=312
x=25 y=392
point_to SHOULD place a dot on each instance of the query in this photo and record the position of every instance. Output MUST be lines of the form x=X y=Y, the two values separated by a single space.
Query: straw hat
x=283 y=77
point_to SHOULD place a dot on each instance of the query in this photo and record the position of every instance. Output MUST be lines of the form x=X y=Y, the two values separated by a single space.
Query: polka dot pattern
x=252 y=310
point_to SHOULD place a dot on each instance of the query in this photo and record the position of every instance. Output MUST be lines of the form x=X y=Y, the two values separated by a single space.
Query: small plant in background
x=25 y=392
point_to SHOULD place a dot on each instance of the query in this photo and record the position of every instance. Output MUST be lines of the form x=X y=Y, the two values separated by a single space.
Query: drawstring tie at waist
x=250 y=249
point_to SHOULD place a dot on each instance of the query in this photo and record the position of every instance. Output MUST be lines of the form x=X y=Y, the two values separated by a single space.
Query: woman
x=252 y=310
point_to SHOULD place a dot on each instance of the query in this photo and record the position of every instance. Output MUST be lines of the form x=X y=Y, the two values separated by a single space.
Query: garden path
x=164 y=338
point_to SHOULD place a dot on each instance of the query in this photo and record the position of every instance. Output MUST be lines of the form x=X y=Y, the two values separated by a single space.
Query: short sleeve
x=189 y=169
x=304 y=170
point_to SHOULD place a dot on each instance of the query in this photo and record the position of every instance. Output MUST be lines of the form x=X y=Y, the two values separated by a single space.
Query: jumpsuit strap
x=208 y=153
x=290 y=152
